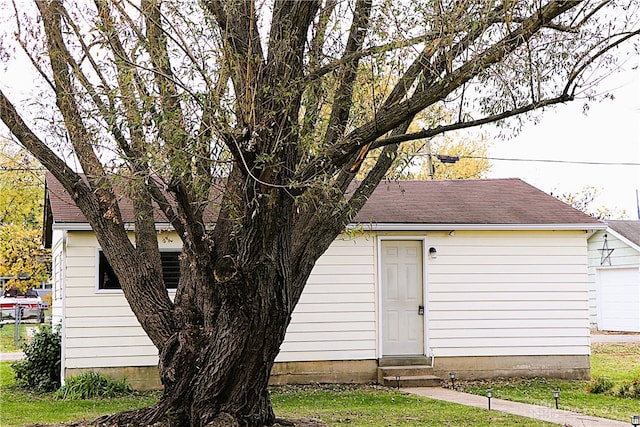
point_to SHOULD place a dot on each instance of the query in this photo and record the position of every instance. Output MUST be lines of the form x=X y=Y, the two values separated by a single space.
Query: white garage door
x=619 y=299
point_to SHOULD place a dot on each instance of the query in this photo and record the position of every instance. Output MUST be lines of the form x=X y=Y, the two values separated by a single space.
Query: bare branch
x=429 y=133
x=80 y=137
x=344 y=94
x=391 y=117
x=50 y=160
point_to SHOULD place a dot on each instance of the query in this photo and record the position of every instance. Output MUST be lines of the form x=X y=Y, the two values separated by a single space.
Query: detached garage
x=485 y=278
x=614 y=260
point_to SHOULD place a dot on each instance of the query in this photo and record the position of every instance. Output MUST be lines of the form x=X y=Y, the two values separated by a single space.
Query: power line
x=507 y=159
x=440 y=156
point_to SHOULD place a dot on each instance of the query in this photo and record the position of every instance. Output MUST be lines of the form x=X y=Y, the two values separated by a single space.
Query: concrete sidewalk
x=543 y=413
x=614 y=338
x=12 y=356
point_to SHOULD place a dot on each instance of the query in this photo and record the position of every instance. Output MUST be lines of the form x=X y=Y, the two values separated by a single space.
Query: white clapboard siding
x=443 y=277
x=508 y=293
x=57 y=277
x=623 y=255
x=336 y=316
x=100 y=329
x=493 y=293
x=100 y=360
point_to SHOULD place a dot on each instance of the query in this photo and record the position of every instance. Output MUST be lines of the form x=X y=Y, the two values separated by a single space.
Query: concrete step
x=412 y=381
x=419 y=373
x=404 y=361
x=403 y=370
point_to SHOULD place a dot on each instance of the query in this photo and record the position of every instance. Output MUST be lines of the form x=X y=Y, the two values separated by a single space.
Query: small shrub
x=600 y=385
x=40 y=368
x=630 y=389
x=89 y=385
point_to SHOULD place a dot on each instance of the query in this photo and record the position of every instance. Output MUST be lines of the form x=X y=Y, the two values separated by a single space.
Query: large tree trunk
x=215 y=369
x=218 y=376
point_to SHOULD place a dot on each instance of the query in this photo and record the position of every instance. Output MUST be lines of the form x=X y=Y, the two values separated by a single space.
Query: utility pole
x=430 y=165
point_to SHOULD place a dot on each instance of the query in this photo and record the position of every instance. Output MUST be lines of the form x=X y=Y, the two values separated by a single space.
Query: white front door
x=402 y=319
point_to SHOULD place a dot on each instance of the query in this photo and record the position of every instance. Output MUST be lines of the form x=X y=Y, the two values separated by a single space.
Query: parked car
x=29 y=303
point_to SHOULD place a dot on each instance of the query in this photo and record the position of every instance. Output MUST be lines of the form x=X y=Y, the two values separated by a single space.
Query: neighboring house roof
x=496 y=202
x=628 y=229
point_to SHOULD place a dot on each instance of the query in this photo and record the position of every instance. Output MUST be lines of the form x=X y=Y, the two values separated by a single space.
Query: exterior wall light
x=433 y=253
x=556 y=395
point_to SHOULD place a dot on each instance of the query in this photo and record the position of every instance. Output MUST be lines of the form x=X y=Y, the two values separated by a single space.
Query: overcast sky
x=608 y=133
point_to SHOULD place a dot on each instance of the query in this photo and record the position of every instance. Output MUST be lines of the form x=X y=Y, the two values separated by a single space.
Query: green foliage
x=21 y=212
x=21 y=188
x=600 y=385
x=40 y=369
x=21 y=253
x=91 y=385
x=626 y=389
x=629 y=389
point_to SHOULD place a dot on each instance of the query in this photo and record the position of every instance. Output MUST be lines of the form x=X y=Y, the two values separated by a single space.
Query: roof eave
x=476 y=227
x=84 y=226
x=623 y=238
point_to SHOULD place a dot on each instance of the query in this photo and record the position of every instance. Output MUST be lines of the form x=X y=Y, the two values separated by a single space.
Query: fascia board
x=475 y=227
x=84 y=226
x=623 y=239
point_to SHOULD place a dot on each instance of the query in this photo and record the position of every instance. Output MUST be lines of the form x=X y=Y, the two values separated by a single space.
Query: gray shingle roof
x=486 y=201
x=630 y=229
x=64 y=210
x=483 y=201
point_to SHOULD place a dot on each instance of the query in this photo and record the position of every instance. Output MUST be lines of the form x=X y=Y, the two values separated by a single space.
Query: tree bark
x=218 y=375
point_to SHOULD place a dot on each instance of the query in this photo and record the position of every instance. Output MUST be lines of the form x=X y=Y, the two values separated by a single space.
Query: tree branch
x=64 y=90
x=344 y=94
x=387 y=119
x=242 y=48
x=67 y=176
x=429 y=133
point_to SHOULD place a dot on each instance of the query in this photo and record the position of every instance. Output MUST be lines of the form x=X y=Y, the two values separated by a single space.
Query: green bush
x=40 y=368
x=630 y=389
x=600 y=385
x=90 y=385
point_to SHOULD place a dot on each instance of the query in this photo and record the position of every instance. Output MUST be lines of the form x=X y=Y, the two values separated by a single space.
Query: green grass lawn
x=367 y=405
x=7 y=341
x=619 y=362
x=373 y=406
x=19 y=407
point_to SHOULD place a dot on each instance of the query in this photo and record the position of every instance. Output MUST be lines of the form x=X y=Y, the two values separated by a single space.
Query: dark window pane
x=170 y=271
x=107 y=277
